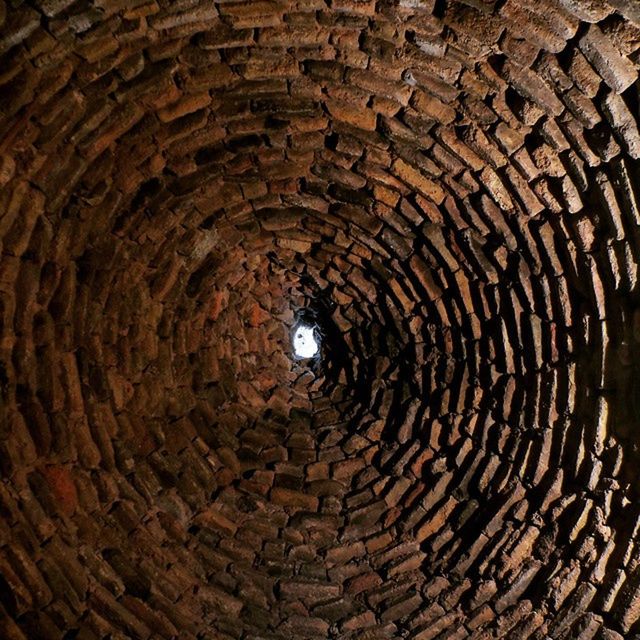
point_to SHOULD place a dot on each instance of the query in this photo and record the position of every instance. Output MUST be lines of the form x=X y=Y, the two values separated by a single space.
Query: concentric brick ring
x=449 y=189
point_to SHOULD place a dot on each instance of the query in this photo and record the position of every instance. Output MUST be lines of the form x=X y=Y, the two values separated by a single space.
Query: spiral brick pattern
x=451 y=190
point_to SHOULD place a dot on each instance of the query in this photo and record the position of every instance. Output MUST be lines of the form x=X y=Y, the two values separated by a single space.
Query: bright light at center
x=304 y=342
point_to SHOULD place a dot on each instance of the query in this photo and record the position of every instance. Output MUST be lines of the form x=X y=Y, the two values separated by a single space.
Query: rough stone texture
x=451 y=187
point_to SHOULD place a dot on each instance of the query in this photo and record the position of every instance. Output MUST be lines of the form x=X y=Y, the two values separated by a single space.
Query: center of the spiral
x=305 y=341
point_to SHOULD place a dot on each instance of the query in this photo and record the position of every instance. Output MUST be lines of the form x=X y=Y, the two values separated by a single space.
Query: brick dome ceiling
x=448 y=191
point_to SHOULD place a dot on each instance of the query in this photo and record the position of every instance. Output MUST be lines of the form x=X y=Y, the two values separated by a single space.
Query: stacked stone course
x=452 y=187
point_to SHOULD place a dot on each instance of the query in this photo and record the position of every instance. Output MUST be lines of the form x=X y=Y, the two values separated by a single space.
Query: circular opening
x=305 y=341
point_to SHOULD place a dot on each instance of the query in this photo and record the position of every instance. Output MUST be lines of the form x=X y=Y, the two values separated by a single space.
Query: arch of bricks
x=451 y=187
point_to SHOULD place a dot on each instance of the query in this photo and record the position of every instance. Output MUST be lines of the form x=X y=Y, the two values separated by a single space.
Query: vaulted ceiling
x=449 y=189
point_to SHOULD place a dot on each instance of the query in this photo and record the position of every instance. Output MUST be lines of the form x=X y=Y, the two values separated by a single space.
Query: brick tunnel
x=445 y=193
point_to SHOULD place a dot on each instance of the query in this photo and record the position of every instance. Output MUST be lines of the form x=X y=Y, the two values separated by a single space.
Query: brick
x=62 y=487
x=628 y=9
x=360 y=118
x=19 y=26
x=188 y=104
x=616 y=70
x=405 y=606
x=182 y=18
x=529 y=85
x=589 y=10
x=359 y=621
x=50 y=8
x=544 y=28
x=289 y=498
x=309 y=592
x=620 y=117
x=414 y=178
x=7 y=169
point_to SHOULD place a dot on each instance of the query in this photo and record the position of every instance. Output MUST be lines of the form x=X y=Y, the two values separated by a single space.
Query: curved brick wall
x=451 y=187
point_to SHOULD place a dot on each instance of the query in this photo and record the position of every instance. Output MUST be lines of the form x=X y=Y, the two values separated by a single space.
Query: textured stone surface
x=451 y=187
